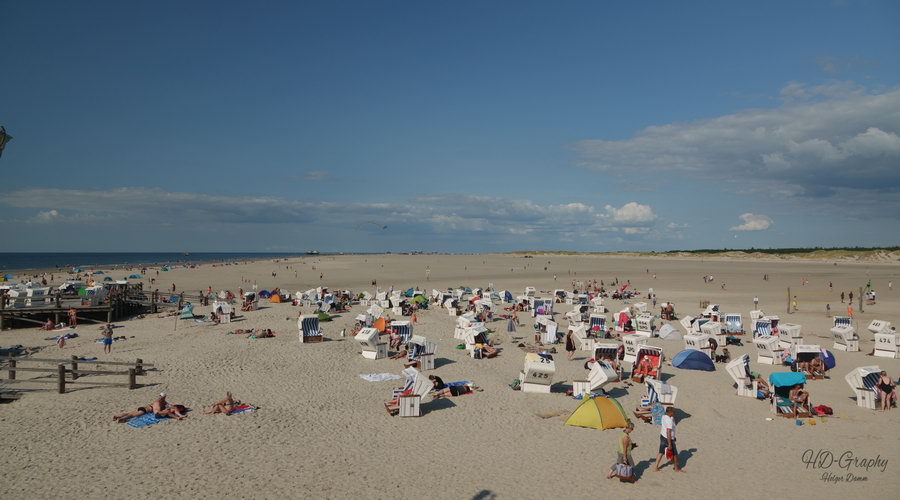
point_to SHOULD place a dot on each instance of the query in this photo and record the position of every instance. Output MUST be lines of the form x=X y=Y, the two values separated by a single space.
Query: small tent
x=409 y=292
x=264 y=294
x=275 y=298
x=135 y=277
x=598 y=413
x=107 y=279
x=9 y=276
x=690 y=359
x=187 y=312
x=98 y=272
x=379 y=325
x=669 y=332
x=323 y=316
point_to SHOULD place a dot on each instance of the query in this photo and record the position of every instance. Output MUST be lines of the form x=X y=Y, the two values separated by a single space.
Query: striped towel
x=242 y=409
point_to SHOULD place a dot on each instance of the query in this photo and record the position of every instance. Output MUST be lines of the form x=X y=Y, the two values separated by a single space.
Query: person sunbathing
x=161 y=408
x=798 y=397
x=400 y=355
x=123 y=417
x=817 y=366
x=803 y=366
x=48 y=325
x=263 y=333
x=442 y=390
x=644 y=367
x=762 y=387
x=225 y=406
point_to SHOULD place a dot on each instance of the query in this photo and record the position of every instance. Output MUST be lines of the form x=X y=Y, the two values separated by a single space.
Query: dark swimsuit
x=885 y=388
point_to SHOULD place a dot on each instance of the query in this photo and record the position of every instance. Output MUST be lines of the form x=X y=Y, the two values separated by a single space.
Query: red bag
x=669 y=454
x=823 y=410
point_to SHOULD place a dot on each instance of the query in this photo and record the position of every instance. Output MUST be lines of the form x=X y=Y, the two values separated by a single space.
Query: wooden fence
x=70 y=368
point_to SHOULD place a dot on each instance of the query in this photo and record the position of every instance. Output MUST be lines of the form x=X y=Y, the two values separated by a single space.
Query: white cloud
x=450 y=213
x=823 y=141
x=315 y=175
x=45 y=217
x=753 y=222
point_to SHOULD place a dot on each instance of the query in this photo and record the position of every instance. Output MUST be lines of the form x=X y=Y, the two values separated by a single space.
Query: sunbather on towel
x=400 y=355
x=48 y=325
x=225 y=406
x=442 y=390
x=121 y=418
x=161 y=408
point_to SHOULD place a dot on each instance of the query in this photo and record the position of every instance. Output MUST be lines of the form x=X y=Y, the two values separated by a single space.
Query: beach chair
x=601 y=374
x=371 y=345
x=407 y=401
x=879 y=326
x=597 y=325
x=652 y=353
x=639 y=307
x=762 y=328
x=545 y=330
x=773 y=321
x=309 y=329
x=223 y=311
x=632 y=345
x=698 y=342
x=687 y=322
x=733 y=324
x=474 y=337
x=420 y=352
x=661 y=392
x=845 y=338
x=542 y=307
x=579 y=332
x=714 y=330
x=463 y=323
x=767 y=351
x=645 y=323
x=250 y=301
x=781 y=384
x=739 y=369
x=755 y=315
x=804 y=353
x=864 y=382
x=667 y=311
x=789 y=336
x=842 y=320
x=402 y=328
x=36 y=296
x=537 y=374
x=887 y=344
x=17 y=298
x=530 y=291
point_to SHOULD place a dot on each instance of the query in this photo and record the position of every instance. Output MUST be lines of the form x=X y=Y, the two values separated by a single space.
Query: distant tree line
x=782 y=251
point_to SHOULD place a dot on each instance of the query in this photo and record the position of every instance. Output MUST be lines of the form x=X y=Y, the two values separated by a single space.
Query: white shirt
x=667 y=423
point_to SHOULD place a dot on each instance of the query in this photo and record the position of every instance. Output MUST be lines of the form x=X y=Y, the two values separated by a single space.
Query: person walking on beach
x=570 y=345
x=850 y=296
x=842 y=297
x=173 y=287
x=755 y=302
x=827 y=310
x=667 y=446
x=794 y=303
x=623 y=451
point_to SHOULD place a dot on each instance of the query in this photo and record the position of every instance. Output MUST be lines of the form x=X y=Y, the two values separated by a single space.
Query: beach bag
x=624 y=472
x=823 y=410
x=669 y=454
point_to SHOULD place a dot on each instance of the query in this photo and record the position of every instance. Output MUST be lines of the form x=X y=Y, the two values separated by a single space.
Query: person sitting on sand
x=225 y=406
x=48 y=325
x=161 y=408
x=724 y=357
x=122 y=418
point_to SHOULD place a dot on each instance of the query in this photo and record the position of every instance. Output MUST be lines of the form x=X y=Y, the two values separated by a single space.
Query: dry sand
x=322 y=432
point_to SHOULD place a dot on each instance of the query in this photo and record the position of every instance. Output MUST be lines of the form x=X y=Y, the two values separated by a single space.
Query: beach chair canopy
x=786 y=379
x=598 y=413
x=826 y=356
x=669 y=332
x=690 y=359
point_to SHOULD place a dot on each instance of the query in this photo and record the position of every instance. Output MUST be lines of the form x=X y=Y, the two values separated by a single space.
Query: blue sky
x=461 y=126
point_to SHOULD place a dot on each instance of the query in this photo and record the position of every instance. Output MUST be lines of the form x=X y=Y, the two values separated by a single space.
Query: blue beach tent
x=135 y=277
x=690 y=359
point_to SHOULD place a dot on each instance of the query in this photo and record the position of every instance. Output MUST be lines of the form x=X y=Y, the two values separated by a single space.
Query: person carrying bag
x=624 y=466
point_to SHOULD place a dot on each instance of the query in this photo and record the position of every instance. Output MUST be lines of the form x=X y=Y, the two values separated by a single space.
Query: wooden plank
x=120 y=363
x=36 y=380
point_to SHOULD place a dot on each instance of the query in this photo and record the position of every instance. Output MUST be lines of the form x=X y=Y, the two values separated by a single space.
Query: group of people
x=161 y=408
x=667 y=448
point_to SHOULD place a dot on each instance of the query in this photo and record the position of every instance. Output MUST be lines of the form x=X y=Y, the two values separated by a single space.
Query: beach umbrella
x=9 y=276
x=598 y=413
x=76 y=270
x=690 y=359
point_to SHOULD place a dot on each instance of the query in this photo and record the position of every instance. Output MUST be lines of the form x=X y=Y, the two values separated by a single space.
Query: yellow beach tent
x=598 y=413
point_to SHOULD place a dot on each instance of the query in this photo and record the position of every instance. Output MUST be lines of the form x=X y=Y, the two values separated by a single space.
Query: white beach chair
x=537 y=374
x=410 y=404
x=756 y=314
x=864 y=382
x=739 y=369
x=842 y=320
x=530 y=291
x=762 y=328
x=733 y=324
x=789 y=335
x=640 y=307
x=697 y=342
x=579 y=332
x=542 y=307
x=597 y=325
x=845 y=338
x=309 y=329
x=714 y=330
x=660 y=391
x=601 y=374
x=887 y=344
x=767 y=350
x=222 y=310
x=369 y=342
x=806 y=353
x=687 y=322
x=879 y=326
x=421 y=352
x=402 y=328
x=632 y=345
x=645 y=323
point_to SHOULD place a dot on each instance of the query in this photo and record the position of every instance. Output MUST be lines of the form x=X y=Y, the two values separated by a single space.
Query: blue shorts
x=664 y=443
x=107 y=341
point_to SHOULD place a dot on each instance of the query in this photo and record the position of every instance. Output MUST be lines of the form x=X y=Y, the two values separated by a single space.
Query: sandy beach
x=321 y=431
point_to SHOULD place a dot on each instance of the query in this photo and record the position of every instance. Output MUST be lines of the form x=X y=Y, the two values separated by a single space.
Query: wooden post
x=139 y=366
x=62 y=378
x=789 y=301
x=132 y=378
x=74 y=367
x=12 y=367
x=109 y=315
x=861 y=302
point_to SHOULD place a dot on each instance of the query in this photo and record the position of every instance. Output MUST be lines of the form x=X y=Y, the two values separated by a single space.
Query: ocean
x=10 y=261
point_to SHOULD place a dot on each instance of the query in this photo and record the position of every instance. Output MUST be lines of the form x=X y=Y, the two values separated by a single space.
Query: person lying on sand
x=400 y=355
x=442 y=390
x=122 y=418
x=225 y=406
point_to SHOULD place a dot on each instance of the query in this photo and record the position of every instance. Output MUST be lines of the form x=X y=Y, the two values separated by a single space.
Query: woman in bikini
x=225 y=406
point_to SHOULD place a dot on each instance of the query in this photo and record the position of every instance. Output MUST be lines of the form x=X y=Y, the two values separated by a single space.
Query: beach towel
x=145 y=420
x=68 y=336
x=242 y=409
x=379 y=377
